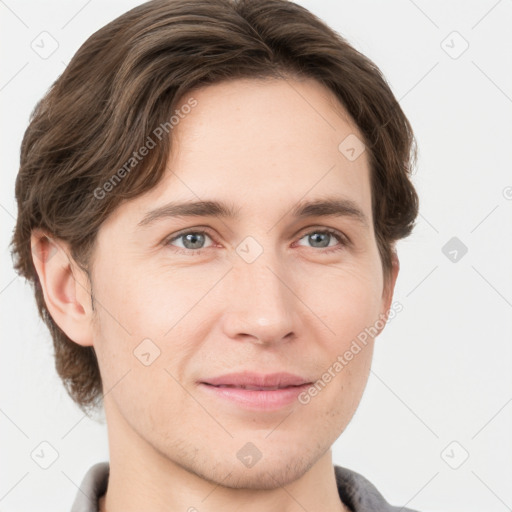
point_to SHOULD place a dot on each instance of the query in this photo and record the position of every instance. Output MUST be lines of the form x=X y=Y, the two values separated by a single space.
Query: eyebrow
x=328 y=207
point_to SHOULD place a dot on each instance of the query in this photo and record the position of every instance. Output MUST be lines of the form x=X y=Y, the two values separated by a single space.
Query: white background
x=442 y=369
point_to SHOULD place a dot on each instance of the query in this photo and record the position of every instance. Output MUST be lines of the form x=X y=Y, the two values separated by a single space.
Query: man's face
x=265 y=291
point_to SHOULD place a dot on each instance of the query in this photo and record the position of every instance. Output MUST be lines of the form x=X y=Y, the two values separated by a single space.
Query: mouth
x=253 y=388
x=259 y=395
x=258 y=381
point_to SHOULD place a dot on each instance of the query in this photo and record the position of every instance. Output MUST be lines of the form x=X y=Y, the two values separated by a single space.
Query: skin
x=262 y=146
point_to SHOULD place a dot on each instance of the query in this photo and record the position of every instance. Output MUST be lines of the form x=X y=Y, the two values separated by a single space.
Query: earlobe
x=65 y=286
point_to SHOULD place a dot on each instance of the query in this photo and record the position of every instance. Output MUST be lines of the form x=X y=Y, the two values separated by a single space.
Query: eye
x=321 y=238
x=193 y=241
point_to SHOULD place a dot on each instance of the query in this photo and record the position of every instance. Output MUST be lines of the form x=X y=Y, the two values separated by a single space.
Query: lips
x=251 y=388
x=257 y=381
x=255 y=391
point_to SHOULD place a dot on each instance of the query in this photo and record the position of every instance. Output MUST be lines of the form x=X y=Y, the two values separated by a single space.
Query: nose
x=260 y=304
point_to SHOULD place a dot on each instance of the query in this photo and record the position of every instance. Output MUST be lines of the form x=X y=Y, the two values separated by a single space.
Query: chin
x=266 y=477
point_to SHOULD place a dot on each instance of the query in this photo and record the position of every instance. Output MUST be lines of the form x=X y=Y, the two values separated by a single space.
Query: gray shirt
x=359 y=494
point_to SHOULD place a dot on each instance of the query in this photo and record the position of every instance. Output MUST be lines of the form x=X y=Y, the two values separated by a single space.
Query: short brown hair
x=127 y=79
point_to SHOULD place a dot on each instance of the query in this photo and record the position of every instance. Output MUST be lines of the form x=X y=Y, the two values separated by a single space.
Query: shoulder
x=360 y=494
x=93 y=485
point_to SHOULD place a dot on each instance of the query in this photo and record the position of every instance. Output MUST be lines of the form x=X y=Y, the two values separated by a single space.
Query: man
x=209 y=198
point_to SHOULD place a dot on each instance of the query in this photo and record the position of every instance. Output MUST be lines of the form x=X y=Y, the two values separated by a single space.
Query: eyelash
x=341 y=238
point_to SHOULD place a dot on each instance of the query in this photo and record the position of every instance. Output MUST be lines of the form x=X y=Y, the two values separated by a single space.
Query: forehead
x=262 y=144
x=271 y=120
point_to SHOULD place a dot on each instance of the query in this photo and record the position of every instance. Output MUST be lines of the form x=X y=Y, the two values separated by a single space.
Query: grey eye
x=320 y=239
x=191 y=240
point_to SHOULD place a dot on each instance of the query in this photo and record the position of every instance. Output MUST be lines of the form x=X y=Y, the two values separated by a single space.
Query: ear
x=389 y=287
x=66 y=287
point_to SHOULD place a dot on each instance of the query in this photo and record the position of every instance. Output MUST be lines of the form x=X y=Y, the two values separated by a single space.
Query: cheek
x=138 y=301
x=350 y=307
x=348 y=299
x=138 y=314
